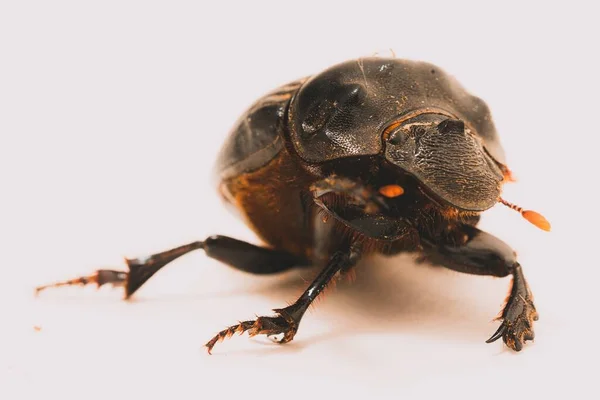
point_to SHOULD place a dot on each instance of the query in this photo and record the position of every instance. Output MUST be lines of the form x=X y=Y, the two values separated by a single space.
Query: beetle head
x=432 y=128
x=447 y=158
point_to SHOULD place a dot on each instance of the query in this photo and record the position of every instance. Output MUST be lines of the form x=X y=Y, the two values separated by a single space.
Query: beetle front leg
x=288 y=318
x=518 y=314
x=484 y=254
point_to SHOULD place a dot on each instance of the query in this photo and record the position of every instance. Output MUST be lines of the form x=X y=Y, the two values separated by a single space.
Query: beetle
x=370 y=156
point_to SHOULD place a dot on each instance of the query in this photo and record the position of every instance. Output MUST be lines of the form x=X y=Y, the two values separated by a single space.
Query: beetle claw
x=498 y=334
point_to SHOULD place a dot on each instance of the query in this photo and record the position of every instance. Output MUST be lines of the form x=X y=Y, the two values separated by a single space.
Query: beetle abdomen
x=269 y=200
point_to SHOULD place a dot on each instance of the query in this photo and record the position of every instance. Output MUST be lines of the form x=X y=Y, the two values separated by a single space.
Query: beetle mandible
x=371 y=156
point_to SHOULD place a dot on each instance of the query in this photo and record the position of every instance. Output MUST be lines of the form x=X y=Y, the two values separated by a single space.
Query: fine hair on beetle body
x=375 y=156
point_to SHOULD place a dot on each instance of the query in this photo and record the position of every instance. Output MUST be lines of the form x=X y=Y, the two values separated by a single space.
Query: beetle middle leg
x=484 y=254
x=236 y=253
x=288 y=319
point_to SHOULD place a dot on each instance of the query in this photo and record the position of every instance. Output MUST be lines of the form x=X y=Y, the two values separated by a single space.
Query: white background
x=111 y=114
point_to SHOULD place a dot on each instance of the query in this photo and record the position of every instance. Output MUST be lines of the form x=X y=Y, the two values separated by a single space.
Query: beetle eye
x=331 y=108
x=316 y=117
x=451 y=126
x=397 y=137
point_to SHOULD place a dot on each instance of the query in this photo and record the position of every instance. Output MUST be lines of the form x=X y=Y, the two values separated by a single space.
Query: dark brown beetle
x=374 y=155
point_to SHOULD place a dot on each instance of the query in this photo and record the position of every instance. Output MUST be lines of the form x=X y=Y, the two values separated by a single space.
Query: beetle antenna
x=535 y=218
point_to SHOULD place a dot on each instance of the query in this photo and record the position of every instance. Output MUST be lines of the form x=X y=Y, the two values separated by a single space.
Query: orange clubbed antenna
x=535 y=218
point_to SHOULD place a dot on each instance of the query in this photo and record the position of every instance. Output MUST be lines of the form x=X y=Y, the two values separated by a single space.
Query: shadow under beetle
x=375 y=155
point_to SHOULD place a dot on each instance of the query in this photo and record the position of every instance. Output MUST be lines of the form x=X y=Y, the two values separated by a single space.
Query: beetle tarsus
x=100 y=277
x=261 y=326
x=140 y=270
x=518 y=315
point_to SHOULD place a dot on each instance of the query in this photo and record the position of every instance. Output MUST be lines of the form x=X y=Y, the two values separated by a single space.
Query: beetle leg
x=236 y=253
x=287 y=320
x=100 y=277
x=484 y=254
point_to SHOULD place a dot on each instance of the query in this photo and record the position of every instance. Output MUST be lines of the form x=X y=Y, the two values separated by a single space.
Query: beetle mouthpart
x=342 y=190
x=391 y=191
x=533 y=217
